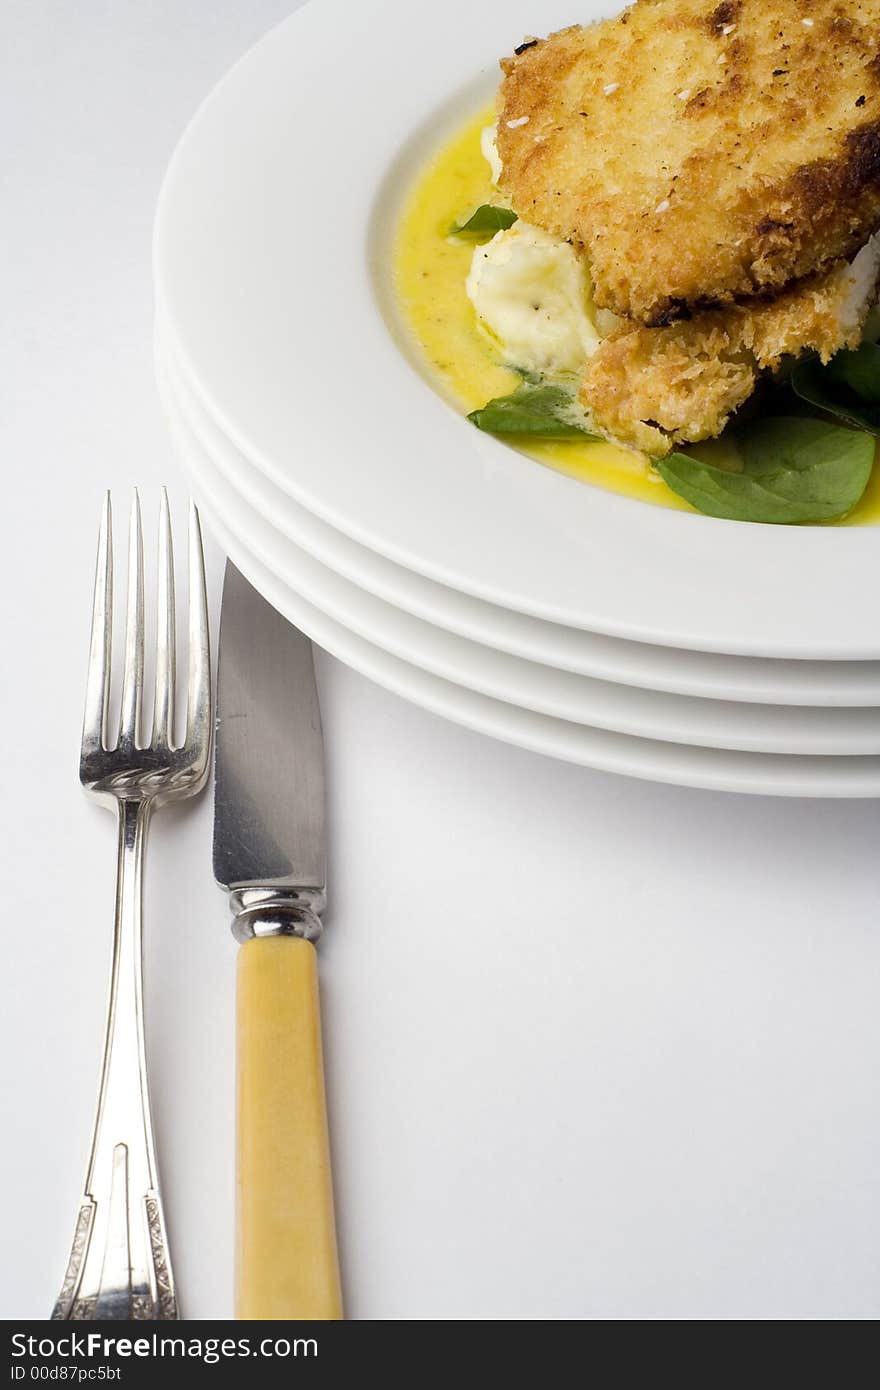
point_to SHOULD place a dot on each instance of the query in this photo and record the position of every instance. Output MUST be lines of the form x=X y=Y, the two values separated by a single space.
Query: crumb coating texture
x=699 y=153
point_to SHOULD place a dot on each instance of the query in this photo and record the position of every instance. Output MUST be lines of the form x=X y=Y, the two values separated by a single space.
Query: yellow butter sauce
x=430 y=270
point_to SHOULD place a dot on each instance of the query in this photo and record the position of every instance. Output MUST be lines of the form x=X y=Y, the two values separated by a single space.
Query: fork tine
x=166 y=637
x=198 y=708
x=98 y=679
x=133 y=674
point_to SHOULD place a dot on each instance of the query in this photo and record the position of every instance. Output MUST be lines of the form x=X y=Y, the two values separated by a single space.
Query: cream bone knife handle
x=286 y=1261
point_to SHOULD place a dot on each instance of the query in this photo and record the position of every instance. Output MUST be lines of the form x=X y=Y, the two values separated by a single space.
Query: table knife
x=269 y=856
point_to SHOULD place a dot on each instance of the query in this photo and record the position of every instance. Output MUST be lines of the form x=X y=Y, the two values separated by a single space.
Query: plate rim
x=275 y=510
x=561 y=696
x=435 y=697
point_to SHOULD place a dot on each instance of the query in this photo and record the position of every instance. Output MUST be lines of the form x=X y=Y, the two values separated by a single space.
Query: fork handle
x=286 y=1262
x=119 y=1266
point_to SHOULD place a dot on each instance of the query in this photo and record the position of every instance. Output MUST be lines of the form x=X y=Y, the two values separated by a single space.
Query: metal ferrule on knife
x=277 y=912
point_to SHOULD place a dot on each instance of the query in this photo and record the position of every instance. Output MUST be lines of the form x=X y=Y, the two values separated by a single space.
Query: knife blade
x=269 y=761
x=269 y=854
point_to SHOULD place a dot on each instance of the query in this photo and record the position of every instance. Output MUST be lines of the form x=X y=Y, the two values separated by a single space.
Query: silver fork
x=119 y=1265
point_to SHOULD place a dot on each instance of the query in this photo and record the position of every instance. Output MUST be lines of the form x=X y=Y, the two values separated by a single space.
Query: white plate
x=559 y=694
x=272 y=266
x=703 y=674
x=709 y=768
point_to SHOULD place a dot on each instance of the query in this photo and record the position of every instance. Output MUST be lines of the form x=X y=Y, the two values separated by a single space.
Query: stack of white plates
x=437 y=560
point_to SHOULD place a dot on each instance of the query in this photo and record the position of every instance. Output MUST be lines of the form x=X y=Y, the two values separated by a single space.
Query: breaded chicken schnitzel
x=656 y=387
x=699 y=152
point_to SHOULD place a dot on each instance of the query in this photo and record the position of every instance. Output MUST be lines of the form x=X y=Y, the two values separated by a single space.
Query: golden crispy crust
x=699 y=152
x=654 y=387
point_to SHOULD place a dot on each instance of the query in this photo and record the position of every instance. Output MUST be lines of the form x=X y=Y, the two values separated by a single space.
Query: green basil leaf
x=485 y=222
x=792 y=470
x=848 y=386
x=548 y=411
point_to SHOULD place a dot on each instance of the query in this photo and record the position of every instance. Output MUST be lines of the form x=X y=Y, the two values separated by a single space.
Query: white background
x=595 y=1048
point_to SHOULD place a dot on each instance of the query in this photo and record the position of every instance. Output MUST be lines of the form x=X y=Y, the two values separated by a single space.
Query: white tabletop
x=595 y=1048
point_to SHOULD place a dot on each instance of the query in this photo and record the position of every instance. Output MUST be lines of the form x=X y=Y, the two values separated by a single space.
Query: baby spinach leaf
x=848 y=386
x=792 y=470
x=548 y=411
x=485 y=222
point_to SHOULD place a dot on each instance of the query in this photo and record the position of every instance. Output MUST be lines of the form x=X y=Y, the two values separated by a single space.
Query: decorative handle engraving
x=119 y=1267
x=65 y=1301
x=165 y=1296
x=134 y=1279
